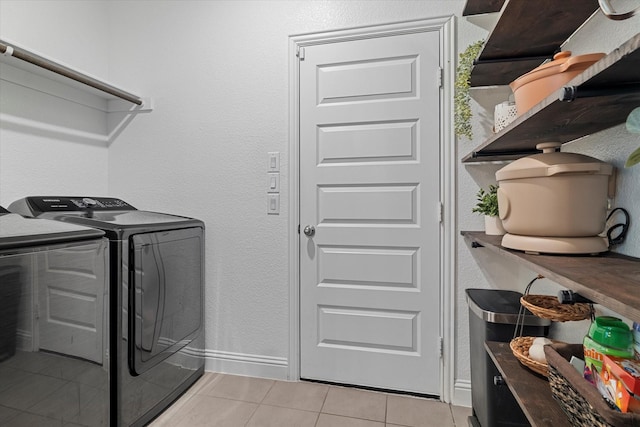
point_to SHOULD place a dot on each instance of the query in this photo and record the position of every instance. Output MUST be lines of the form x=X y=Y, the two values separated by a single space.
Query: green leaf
x=633 y=121
x=634 y=158
x=487 y=202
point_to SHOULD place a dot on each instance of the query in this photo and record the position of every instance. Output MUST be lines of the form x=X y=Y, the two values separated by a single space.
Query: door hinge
x=300 y=53
x=440 y=76
x=441 y=347
x=440 y=208
x=298 y=228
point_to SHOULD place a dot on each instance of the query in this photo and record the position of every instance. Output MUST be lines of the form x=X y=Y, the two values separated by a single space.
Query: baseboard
x=462 y=393
x=251 y=365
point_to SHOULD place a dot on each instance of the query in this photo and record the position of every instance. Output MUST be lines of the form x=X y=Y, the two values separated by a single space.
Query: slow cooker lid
x=562 y=62
x=551 y=162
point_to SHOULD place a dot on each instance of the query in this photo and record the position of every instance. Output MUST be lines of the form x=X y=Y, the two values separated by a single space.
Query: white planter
x=493 y=226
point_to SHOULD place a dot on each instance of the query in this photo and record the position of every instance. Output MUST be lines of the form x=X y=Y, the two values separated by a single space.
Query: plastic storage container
x=607 y=335
x=493 y=315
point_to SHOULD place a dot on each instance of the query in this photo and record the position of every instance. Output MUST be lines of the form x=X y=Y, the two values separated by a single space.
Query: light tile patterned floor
x=235 y=401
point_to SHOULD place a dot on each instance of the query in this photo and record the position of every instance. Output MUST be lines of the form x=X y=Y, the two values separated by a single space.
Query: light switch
x=273 y=204
x=274 y=161
x=273 y=182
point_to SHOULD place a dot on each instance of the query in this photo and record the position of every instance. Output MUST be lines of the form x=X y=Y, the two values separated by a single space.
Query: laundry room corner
x=218 y=75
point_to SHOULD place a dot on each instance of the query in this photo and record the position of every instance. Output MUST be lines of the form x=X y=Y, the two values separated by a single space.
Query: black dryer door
x=166 y=272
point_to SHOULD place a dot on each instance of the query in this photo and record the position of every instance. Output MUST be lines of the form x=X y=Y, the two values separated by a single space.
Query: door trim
x=446 y=27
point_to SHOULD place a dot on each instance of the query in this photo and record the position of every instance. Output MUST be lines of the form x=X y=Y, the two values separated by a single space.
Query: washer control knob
x=88 y=202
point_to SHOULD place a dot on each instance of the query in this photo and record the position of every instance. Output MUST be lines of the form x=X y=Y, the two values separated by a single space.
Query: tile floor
x=234 y=401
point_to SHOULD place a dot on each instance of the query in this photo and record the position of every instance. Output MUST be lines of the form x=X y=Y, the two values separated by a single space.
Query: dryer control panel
x=39 y=204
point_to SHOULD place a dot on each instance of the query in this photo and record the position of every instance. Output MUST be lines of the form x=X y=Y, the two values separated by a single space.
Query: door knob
x=309 y=230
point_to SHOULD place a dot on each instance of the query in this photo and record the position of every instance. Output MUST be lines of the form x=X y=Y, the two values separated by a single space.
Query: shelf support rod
x=515 y=59
x=26 y=56
x=479 y=154
x=571 y=93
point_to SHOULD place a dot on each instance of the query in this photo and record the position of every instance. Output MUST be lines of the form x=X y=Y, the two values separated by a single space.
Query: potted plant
x=488 y=206
x=633 y=126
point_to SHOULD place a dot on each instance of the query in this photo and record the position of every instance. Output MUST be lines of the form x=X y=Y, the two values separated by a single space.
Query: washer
x=156 y=273
x=54 y=319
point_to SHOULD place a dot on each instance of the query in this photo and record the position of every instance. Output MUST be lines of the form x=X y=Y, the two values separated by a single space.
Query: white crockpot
x=554 y=194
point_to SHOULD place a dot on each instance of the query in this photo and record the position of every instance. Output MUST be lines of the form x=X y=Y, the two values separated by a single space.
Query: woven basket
x=520 y=348
x=548 y=307
x=579 y=399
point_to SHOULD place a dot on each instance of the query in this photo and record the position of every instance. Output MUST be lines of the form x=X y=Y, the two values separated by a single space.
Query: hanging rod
x=501 y=153
x=571 y=93
x=18 y=53
x=512 y=59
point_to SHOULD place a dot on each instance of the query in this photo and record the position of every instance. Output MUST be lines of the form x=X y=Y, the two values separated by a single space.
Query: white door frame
x=446 y=26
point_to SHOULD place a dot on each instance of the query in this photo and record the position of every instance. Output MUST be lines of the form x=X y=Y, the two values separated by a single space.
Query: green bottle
x=607 y=335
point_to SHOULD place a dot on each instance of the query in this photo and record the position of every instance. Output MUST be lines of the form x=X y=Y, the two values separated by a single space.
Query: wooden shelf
x=610 y=279
x=530 y=390
x=526 y=34
x=477 y=7
x=606 y=93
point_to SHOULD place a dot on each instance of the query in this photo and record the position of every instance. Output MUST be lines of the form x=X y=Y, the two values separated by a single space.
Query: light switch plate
x=273 y=204
x=273 y=182
x=274 y=161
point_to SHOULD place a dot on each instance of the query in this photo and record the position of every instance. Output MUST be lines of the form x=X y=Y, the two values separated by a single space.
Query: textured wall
x=50 y=144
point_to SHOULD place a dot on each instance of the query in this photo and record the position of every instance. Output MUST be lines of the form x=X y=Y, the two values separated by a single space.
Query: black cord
x=621 y=228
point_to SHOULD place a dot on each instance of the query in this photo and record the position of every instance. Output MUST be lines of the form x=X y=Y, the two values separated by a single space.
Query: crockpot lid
x=562 y=62
x=551 y=162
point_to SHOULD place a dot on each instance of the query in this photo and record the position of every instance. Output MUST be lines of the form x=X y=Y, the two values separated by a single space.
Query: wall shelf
x=610 y=279
x=527 y=33
x=530 y=390
x=606 y=93
x=26 y=60
x=477 y=7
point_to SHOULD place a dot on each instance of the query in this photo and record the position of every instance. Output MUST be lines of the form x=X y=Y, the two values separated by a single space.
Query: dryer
x=156 y=274
x=54 y=318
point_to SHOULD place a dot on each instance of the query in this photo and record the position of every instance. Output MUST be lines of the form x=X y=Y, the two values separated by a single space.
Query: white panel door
x=369 y=185
x=71 y=287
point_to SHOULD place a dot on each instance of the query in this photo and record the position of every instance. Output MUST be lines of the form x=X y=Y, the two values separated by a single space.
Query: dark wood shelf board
x=501 y=73
x=530 y=390
x=618 y=67
x=477 y=7
x=528 y=29
x=555 y=120
x=610 y=279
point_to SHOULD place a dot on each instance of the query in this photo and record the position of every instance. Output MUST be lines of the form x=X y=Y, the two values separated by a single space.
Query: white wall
x=49 y=144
